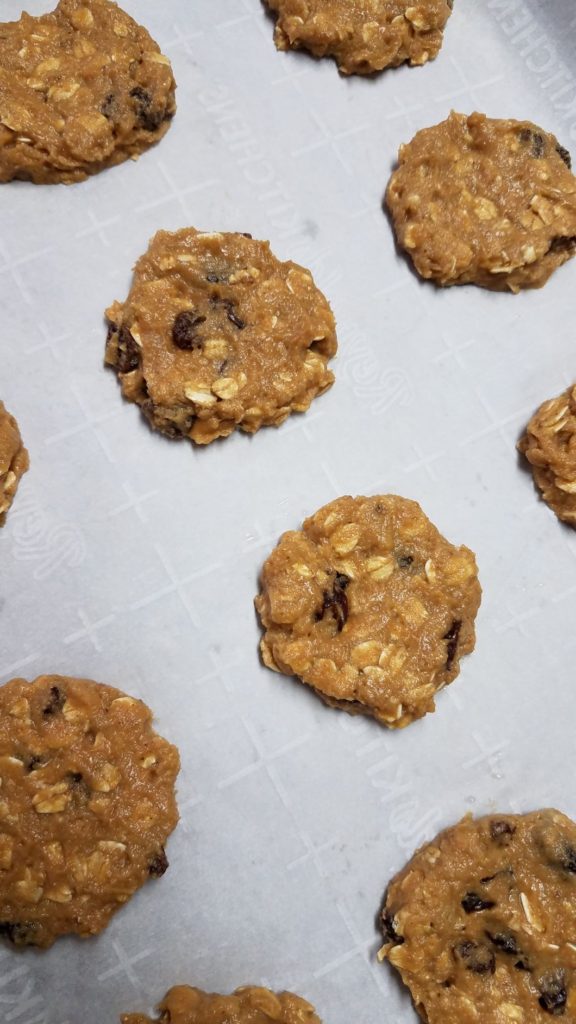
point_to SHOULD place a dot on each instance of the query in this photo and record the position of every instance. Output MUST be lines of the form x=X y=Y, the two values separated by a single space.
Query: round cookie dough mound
x=249 y=1005
x=486 y=202
x=81 y=89
x=217 y=333
x=363 y=36
x=481 y=924
x=549 y=444
x=14 y=460
x=87 y=803
x=370 y=606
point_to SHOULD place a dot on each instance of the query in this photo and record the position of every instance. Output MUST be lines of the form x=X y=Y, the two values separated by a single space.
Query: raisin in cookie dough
x=86 y=806
x=481 y=924
x=364 y=36
x=249 y=1005
x=487 y=202
x=217 y=333
x=371 y=606
x=14 y=461
x=549 y=444
x=81 y=89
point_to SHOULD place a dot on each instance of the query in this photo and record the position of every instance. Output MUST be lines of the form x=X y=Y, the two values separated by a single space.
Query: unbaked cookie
x=364 y=36
x=481 y=924
x=13 y=460
x=549 y=444
x=217 y=333
x=81 y=89
x=249 y=1005
x=370 y=606
x=487 y=202
x=86 y=806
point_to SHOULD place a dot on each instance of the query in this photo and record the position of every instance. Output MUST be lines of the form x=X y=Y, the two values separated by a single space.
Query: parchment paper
x=133 y=560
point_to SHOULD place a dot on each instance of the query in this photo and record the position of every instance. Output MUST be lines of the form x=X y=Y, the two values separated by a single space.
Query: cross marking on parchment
x=424 y=462
x=97 y=227
x=90 y=423
x=453 y=351
x=10 y=266
x=497 y=424
x=329 y=139
x=90 y=630
x=312 y=852
x=490 y=755
x=265 y=761
x=16 y=666
x=175 y=586
x=516 y=621
x=125 y=964
x=358 y=949
x=134 y=502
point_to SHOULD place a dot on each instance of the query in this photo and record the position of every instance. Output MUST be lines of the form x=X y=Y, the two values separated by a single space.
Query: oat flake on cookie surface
x=248 y=1005
x=217 y=334
x=370 y=606
x=14 y=461
x=81 y=89
x=86 y=806
x=488 y=202
x=364 y=36
x=549 y=444
x=481 y=923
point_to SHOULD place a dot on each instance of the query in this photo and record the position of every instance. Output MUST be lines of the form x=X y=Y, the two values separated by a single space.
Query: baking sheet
x=134 y=560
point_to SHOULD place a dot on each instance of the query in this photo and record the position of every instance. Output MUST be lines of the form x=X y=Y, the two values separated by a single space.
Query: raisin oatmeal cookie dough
x=249 y=1005
x=364 y=36
x=81 y=89
x=217 y=333
x=481 y=924
x=371 y=606
x=483 y=201
x=87 y=804
x=14 y=461
x=549 y=444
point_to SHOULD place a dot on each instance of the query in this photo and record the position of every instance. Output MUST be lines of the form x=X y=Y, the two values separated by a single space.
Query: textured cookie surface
x=549 y=444
x=250 y=1005
x=481 y=923
x=370 y=606
x=13 y=460
x=483 y=201
x=217 y=333
x=363 y=35
x=81 y=89
x=86 y=805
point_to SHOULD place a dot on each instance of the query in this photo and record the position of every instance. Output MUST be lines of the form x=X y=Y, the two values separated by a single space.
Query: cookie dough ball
x=217 y=333
x=81 y=89
x=549 y=444
x=364 y=36
x=249 y=1005
x=14 y=461
x=371 y=606
x=487 y=202
x=481 y=923
x=87 y=804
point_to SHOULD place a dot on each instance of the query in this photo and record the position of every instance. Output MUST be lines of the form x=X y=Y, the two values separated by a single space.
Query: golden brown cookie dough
x=249 y=1005
x=217 y=333
x=363 y=36
x=481 y=924
x=487 y=202
x=370 y=606
x=14 y=460
x=81 y=89
x=549 y=444
x=86 y=806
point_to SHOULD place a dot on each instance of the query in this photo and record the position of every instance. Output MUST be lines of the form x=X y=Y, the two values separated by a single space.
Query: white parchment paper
x=134 y=560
